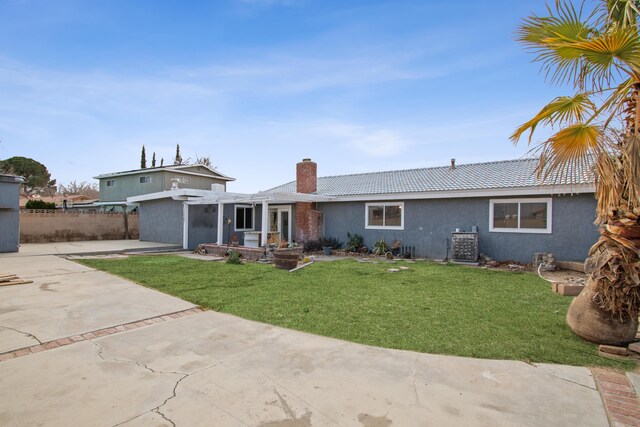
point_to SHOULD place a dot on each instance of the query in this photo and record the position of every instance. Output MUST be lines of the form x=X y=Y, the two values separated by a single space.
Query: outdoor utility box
x=9 y=212
x=464 y=247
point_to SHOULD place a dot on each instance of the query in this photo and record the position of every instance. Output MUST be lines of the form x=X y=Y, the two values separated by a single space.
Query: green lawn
x=431 y=308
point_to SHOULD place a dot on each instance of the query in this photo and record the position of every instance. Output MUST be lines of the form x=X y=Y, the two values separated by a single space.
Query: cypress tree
x=153 y=160
x=178 y=160
x=143 y=159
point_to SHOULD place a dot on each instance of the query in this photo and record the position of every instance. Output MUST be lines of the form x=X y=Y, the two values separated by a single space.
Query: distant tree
x=178 y=159
x=36 y=176
x=162 y=162
x=143 y=159
x=153 y=160
x=205 y=161
x=83 y=188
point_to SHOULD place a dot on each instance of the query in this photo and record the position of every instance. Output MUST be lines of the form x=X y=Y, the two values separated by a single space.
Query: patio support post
x=185 y=225
x=220 y=223
x=265 y=223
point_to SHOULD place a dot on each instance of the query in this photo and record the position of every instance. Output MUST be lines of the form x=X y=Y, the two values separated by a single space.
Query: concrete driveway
x=98 y=350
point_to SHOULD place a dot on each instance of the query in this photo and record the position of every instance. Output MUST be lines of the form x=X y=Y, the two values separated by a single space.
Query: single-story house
x=503 y=206
x=9 y=212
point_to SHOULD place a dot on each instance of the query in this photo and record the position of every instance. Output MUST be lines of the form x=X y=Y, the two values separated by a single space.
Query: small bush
x=354 y=242
x=312 y=245
x=39 y=204
x=380 y=247
x=331 y=242
x=233 y=258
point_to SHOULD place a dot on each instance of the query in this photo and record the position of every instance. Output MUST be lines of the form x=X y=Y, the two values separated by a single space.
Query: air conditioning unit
x=464 y=247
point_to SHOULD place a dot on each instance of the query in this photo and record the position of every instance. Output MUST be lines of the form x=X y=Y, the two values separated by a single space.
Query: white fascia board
x=119 y=202
x=164 y=169
x=458 y=194
x=221 y=178
x=180 y=194
x=217 y=172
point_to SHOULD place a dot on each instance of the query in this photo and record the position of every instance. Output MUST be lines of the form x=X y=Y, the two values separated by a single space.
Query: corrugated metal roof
x=475 y=176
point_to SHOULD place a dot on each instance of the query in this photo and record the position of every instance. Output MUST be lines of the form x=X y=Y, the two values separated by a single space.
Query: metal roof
x=470 y=177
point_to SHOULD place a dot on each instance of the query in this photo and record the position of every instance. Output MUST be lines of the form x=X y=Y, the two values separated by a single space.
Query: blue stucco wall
x=203 y=224
x=161 y=221
x=429 y=223
x=9 y=216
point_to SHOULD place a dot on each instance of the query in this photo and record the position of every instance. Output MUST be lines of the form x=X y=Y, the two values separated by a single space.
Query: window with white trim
x=183 y=179
x=244 y=218
x=388 y=216
x=111 y=182
x=145 y=179
x=520 y=215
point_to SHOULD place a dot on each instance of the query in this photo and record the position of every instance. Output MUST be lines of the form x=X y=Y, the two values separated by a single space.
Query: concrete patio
x=208 y=368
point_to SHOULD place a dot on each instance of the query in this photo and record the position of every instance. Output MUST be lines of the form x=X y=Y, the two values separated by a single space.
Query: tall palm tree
x=595 y=50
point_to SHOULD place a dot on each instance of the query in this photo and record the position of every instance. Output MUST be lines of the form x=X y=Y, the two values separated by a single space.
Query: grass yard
x=431 y=308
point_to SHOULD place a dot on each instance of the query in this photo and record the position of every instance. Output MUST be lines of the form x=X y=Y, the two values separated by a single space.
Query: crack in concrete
x=568 y=380
x=572 y=382
x=173 y=394
x=143 y=366
x=413 y=381
x=155 y=410
x=335 y=422
x=22 y=332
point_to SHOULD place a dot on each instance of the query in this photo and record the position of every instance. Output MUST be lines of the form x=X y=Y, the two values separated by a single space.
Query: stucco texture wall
x=203 y=224
x=429 y=223
x=9 y=217
x=161 y=221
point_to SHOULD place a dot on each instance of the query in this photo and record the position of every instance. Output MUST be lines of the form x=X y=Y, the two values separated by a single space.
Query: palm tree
x=597 y=52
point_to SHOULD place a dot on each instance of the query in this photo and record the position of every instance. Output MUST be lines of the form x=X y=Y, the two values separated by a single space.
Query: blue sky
x=258 y=85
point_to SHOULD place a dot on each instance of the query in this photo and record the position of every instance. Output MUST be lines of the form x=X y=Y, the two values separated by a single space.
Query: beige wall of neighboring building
x=44 y=226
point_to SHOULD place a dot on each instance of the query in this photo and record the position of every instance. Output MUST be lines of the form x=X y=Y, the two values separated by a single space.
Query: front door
x=280 y=222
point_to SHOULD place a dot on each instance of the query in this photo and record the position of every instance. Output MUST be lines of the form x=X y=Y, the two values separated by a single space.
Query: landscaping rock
x=611 y=356
x=569 y=290
x=635 y=347
x=393 y=270
x=612 y=349
x=404 y=268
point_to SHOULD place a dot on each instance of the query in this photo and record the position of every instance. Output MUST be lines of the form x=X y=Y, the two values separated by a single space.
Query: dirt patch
x=371 y=421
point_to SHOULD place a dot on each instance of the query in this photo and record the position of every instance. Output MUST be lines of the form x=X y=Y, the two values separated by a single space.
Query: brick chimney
x=306 y=177
x=308 y=219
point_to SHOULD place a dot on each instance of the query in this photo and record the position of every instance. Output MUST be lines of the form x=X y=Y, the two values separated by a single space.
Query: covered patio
x=278 y=213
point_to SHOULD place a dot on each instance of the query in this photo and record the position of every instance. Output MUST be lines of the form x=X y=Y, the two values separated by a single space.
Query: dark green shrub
x=233 y=257
x=331 y=242
x=39 y=204
x=312 y=245
x=354 y=242
x=380 y=247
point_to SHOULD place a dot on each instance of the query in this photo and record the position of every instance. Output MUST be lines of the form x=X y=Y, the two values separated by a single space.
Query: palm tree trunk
x=606 y=312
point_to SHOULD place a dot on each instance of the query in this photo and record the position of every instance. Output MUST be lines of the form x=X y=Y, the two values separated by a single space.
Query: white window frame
x=145 y=179
x=547 y=200
x=383 y=227
x=253 y=217
x=111 y=183
x=183 y=179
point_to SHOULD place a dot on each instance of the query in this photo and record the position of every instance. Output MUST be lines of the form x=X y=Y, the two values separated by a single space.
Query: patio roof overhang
x=263 y=196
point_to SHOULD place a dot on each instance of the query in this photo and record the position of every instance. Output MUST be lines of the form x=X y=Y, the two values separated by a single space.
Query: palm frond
x=571 y=149
x=607 y=54
x=562 y=110
x=550 y=38
x=622 y=12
